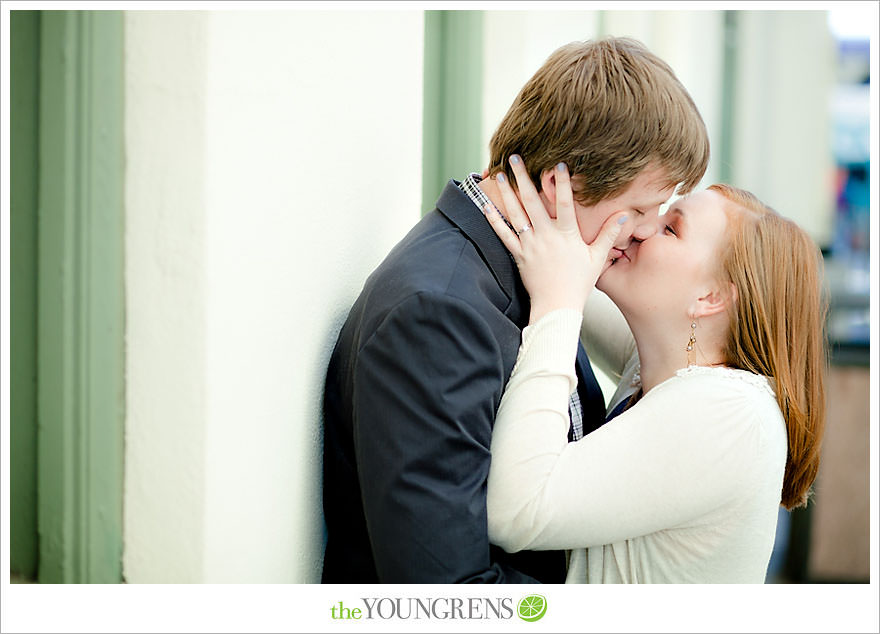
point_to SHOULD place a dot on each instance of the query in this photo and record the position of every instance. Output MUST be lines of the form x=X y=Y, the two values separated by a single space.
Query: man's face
x=641 y=201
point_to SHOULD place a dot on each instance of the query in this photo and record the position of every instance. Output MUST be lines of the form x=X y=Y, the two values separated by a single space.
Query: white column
x=164 y=517
x=291 y=149
x=314 y=172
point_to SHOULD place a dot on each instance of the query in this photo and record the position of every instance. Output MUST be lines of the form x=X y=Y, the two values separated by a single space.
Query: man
x=422 y=360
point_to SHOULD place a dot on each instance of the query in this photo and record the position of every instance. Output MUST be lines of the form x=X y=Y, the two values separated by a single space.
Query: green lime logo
x=532 y=608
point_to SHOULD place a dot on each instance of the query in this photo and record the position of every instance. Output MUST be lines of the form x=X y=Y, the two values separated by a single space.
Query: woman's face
x=663 y=276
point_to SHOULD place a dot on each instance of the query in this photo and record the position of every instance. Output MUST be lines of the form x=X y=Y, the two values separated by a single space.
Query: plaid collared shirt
x=470 y=186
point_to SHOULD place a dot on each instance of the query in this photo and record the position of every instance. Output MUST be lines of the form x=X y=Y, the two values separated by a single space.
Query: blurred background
x=196 y=198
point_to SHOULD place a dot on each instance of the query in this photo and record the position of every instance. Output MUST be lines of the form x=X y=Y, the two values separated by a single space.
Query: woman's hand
x=558 y=269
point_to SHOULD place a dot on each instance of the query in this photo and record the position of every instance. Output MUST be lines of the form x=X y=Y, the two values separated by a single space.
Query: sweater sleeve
x=606 y=335
x=684 y=450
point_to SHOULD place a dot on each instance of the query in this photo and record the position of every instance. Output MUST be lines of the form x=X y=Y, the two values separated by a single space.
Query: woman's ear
x=548 y=191
x=714 y=301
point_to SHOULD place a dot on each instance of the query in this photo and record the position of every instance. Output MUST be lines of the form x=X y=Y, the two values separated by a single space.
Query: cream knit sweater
x=684 y=487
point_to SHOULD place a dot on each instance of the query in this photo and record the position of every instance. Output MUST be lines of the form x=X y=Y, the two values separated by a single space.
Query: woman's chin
x=610 y=279
x=608 y=289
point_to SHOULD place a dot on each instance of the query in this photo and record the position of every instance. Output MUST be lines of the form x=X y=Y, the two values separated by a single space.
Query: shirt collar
x=471 y=187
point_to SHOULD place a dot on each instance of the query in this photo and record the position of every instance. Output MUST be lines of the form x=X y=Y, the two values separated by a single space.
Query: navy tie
x=618 y=410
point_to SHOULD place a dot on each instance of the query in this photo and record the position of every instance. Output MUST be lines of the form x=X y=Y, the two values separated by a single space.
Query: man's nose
x=645 y=230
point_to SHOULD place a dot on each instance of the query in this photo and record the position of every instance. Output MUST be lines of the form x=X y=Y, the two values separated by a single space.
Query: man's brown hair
x=608 y=108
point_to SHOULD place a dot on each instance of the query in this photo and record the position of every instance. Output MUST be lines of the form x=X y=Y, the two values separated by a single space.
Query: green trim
x=81 y=370
x=728 y=81
x=453 y=99
x=24 y=99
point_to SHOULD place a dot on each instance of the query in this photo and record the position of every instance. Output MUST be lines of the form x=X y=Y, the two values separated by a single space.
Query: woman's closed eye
x=668 y=229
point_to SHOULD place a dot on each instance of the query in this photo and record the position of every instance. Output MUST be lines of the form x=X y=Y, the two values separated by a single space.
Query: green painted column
x=728 y=85
x=452 y=124
x=24 y=95
x=81 y=370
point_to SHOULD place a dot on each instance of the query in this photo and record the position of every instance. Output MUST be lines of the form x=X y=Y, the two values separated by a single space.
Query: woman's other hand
x=558 y=269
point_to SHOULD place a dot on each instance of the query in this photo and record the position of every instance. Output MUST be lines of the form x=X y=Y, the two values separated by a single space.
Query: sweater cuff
x=551 y=344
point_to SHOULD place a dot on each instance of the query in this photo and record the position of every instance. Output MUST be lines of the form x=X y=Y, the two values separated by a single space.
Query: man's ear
x=548 y=191
x=715 y=300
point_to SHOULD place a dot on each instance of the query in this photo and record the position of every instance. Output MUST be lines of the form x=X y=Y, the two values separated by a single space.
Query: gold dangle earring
x=692 y=346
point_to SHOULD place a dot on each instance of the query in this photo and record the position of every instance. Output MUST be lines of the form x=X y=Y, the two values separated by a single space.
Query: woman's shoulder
x=701 y=393
x=741 y=381
x=725 y=411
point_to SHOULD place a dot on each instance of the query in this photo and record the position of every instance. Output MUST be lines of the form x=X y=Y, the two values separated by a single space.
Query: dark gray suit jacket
x=410 y=399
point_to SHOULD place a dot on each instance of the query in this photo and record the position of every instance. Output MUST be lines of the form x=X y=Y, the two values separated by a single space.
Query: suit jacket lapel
x=455 y=205
x=592 y=401
x=461 y=211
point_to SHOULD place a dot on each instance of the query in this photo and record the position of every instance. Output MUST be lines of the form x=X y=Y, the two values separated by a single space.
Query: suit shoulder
x=435 y=257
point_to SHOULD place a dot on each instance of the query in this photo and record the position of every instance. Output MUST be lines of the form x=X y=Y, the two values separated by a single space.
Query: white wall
x=273 y=160
x=782 y=126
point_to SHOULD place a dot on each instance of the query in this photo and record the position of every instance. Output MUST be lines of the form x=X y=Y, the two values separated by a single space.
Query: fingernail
x=622 y=219
x=561 y=167
x=514 y=159
x=501 y=178
x=487 y=208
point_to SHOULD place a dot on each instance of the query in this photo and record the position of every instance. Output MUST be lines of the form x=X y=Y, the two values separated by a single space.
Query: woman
x=726 y=422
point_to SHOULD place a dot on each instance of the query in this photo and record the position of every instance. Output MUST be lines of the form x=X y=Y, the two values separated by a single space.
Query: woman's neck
x=658 y=363
x=663 y=351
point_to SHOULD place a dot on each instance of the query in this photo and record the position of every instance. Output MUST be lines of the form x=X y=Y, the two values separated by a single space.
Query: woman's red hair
x=777 y=325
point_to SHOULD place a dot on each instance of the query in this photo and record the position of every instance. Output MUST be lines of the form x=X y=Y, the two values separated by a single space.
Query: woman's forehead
x=701 y=210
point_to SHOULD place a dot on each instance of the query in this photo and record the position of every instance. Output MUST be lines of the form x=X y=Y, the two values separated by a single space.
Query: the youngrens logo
x=530 y=608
